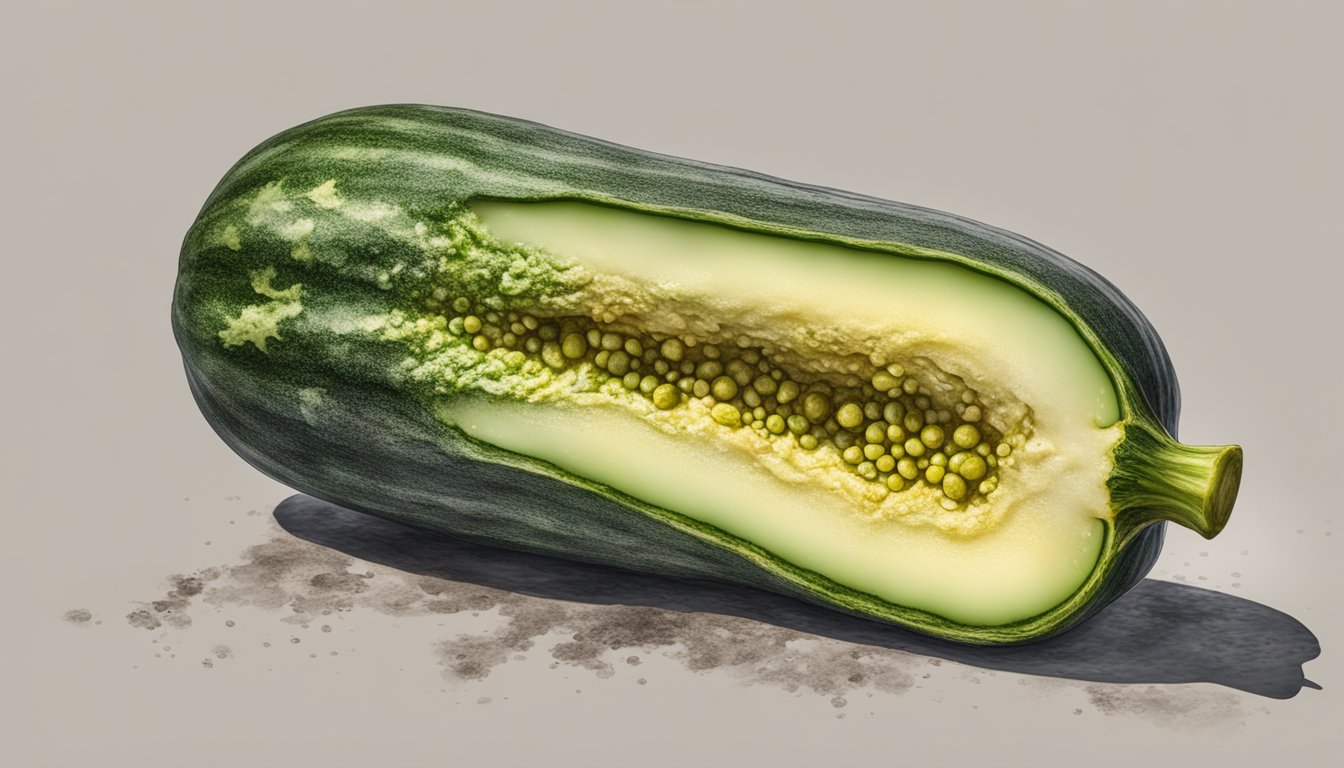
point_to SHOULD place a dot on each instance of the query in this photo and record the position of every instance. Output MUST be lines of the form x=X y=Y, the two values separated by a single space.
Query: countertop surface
x=169 y=605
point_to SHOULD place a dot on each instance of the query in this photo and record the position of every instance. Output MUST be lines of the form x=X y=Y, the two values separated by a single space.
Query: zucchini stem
x=1157 y=478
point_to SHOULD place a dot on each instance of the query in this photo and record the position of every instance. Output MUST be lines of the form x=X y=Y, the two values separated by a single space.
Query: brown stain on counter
x=311 y=585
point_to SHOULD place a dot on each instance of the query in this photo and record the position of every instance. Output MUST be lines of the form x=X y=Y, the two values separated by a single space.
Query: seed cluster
x=884 y=427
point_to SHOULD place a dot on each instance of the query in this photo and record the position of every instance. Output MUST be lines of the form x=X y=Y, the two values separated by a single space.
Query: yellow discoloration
x=228 y=237
x=258 y=322
x=269 y=201
x=324 y=195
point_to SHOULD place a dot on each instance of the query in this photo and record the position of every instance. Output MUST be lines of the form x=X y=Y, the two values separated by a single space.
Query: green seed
x=1003 y=450
x=633 y=347
x=895 y=434
x=700 y=388
x=808 y=442
x=914 y=447
x=726 y=414
x=552 y=356
x=876 y=432
x=765 y=385
x=907 y=468
x=601 y=358
x=631 y=380
x=853 y=454
x=972 y=413
x=612 y=341
x=892 y=413
x=666 y=396
x=872 y=411
x=849 y=415
x=983 y=449
x=954 y=487
x=938 y=459
x=966 y=436
x=574 y=346
x=548 y=332
x=648 y=384
x=461 y=304
x=934 y=474
x=619 y=363
x=895 y=483
x=914 y=421
x=910 y=386
x=882 y=381
x=885 y=463
x=816 y=407
x=750 y=397
x=740 y=371
x=480 y=343
x=958 y=458
x=471 y=324
x=455 y=326
x=932 y=436
x=973 y=468
x=686 y=384
x=594 y=337
x=788 y=391
x=866 y=470
x=798 y=424
x=710 y=370
x=673 y=349
x=872 y=451
x=774 y=423
x=896 y=450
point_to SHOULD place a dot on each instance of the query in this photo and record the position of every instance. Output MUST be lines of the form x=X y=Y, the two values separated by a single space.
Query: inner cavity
x=886 y=426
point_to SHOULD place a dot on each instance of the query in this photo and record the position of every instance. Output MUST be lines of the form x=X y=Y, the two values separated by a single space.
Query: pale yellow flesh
x=1020 y=552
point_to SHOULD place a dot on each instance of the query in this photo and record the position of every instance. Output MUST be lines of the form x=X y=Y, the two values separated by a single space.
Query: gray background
x=1189 y=151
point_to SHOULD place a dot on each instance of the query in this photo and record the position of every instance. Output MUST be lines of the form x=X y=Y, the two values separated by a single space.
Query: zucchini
x=542 y=341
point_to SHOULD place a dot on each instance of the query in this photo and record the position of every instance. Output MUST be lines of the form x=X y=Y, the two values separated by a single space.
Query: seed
x=552 y=356
x=872 y=411
x=872 y=451
x=966 y=436
x=471 y=324
x=893 y=412
x=932 y=436
x=910 y=386
x=849 y=415
x=866 y=470
x=788 y=391
x=882 y=381
x=619 y=362
x=672 y=349
x=954 y=487
x=914 y=421
x=797 y=424
x=853 y=454
x=972 y=468
x=765 y=385
x=1003 y=450
x=914 y=447
x=612 y=341
x=723 y=388
x=548 y=332
x=938 y=459
x=895 y=483
x=972 y=413
x=461 y=304
x=750 y=397
x=740 y=371
x=648 y=384
x=631 y=380
x=808 y=442
x=774 y=423
x=885 y=463
x=594 y=337
x=876 y=432
x=700 y=388
x=480 y=343
x=726 y=414
x=934 y=474
x=601 y=358
x=895 y=434
x=710 y=370
x=666 y=396
x=816 y=407
x=907 y=468
x=574 y=346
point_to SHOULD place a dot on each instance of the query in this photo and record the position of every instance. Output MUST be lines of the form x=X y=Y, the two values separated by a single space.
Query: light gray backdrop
x=1189 y=151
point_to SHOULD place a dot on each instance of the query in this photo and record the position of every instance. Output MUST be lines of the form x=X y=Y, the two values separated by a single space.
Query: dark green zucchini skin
x=374 y=445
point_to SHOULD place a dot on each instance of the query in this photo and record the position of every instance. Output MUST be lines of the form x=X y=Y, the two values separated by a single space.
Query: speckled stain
x=306 y=582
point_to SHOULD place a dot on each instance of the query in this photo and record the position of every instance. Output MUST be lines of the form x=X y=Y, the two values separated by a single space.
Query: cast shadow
x=1160 y=632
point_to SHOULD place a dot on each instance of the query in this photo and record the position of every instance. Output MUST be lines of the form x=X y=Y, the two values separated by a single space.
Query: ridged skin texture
x=374 y=445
